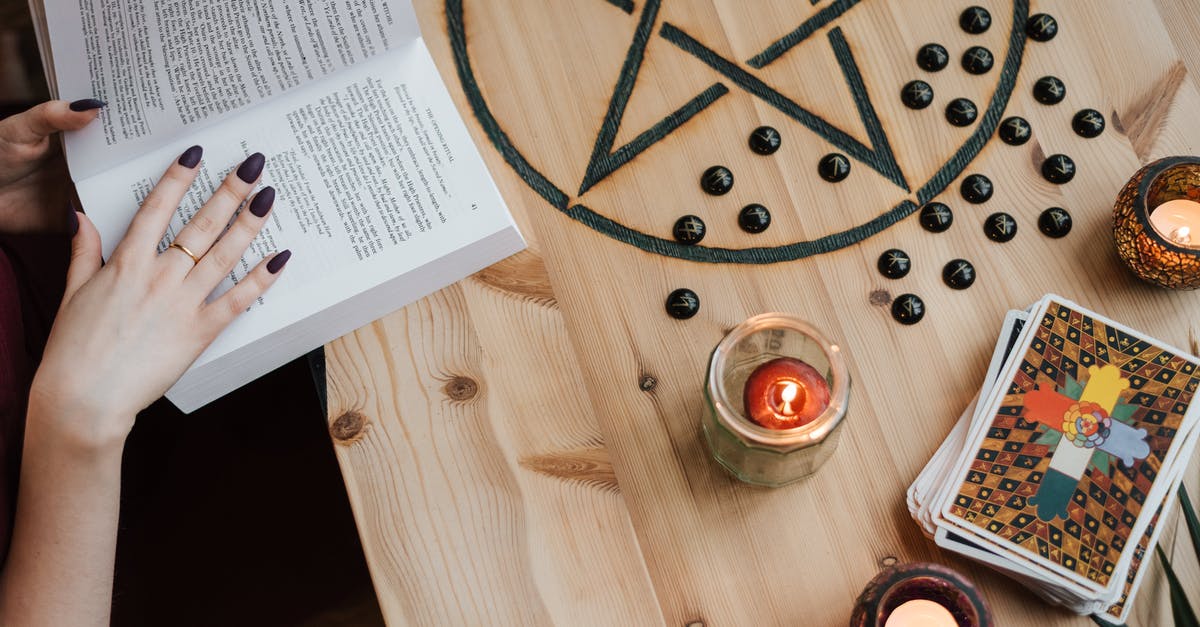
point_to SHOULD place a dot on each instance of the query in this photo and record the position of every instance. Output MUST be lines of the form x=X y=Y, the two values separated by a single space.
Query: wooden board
x=523 y=447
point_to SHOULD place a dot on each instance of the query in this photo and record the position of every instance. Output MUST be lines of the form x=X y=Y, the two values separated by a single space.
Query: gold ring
x=184 y=250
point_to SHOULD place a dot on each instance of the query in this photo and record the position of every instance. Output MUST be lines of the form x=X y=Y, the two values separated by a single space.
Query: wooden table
x=523 y=447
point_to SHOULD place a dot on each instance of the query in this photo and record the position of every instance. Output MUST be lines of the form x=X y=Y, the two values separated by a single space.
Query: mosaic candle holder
x=1151 y=254
x=893 y=595
x=753 y=453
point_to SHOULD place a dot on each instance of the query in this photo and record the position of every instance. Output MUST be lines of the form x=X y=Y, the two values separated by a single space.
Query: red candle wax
x=785 y=393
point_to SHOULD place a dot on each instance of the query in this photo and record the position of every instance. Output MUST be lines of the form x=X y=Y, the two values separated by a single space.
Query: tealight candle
x=785 y=393
x=1178 y=221
x=921 y=613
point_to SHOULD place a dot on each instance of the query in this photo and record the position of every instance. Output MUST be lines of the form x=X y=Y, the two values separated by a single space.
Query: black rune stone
x=1049 y=90
x=933 y=57
x=1015 y=131
x=916 y=95
x=959 y=274
x=754 y=218
x=717 y=180
x=765 y=140
x=1041 y=27
x=1058 y=169
x=683 y=304
x=977 y=60
x=975 y=20
x=894 y=263
x=1088 y=123
x=976 y=189
x=834 y=167
x=1000 y=227
x=1054 y=222
x=689 y=230
x=961 y=112
x=936 y=217
x=908 y=309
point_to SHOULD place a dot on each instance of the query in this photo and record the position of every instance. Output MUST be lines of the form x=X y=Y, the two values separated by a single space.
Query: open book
x=382 y=196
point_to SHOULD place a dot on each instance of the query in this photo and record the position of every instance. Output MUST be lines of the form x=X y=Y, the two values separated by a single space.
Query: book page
x=168 y=68
x=375 y=174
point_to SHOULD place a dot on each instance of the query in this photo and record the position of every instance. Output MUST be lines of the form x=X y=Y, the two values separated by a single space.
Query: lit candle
x=1178 y=221
x=785 y=393
x=921 y=613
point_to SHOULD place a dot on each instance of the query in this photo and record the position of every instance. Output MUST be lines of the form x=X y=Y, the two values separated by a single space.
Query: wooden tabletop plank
x=573 y=487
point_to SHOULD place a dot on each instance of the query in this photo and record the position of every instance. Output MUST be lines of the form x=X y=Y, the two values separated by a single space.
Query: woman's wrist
x=75 y=426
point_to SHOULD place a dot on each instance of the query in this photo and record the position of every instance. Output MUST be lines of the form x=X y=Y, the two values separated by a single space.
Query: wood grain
x=571 y=487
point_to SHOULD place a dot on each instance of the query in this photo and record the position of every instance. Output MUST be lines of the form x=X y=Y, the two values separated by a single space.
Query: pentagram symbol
x=725 y=76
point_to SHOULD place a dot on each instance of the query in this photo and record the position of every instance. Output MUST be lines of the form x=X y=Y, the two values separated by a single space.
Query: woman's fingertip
x=87 y=104
x=252 y=167
x=278 y=261
x=262 y=202
x=191 y=157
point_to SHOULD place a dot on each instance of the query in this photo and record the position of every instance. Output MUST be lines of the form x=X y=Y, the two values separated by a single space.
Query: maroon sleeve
x=14 y=379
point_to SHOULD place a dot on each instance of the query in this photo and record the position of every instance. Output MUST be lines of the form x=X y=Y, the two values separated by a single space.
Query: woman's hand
x=35 y=189
x=128 y=330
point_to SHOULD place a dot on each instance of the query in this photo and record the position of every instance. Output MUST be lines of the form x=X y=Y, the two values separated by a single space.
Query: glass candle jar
x=754 y=453
x=894 y=598
x=1161 y=247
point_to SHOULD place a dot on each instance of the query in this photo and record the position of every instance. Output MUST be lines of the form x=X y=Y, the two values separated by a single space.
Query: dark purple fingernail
x=87 y=104
x=278 y=262
x=73 y=220
x=191 y=157
x=262 y=201
x=252 y=167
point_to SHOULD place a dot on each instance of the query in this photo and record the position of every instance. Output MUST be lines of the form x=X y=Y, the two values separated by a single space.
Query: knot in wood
x=347 y=427
x=880 y=298
x=461 y=389
x=647 y=383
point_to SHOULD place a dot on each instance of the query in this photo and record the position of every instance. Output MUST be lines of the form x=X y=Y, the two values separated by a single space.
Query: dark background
x=235 y=514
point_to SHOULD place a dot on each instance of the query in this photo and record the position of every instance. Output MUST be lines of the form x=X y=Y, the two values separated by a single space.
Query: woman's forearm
x=60 y=564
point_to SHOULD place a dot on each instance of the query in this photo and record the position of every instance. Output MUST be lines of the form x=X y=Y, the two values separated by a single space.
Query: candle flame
x=1182 y=235
x=790 y=390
